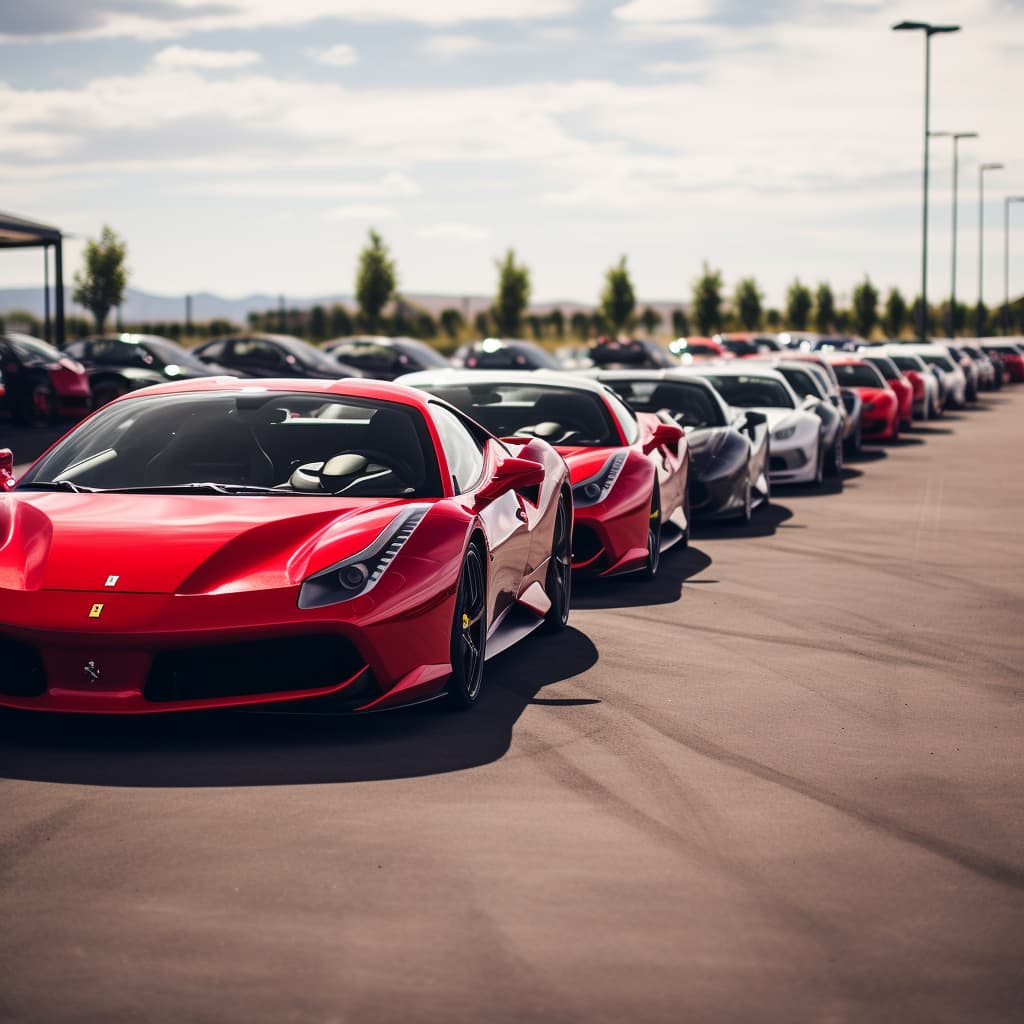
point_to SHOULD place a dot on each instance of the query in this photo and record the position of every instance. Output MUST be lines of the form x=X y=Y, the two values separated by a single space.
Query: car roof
x=354 y=387
x=552 y=378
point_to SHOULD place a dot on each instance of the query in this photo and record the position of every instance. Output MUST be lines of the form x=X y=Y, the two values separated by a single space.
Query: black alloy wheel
x=469 y=632
x=558 y=585
x=650 y=570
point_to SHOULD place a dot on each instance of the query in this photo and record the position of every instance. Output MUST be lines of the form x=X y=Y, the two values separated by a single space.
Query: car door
x=506 y=521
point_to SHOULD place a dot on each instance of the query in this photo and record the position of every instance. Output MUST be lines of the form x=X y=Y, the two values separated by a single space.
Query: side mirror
x=7 y=480
x=665 y=435
x=753 y=420
x=809 y=402
x=510 y=474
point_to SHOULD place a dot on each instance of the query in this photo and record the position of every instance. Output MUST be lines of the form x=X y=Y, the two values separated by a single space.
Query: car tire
x=558 y=585
x=834 y=468
x=684 y=541
x=650 y=569
x=856 y=442
x=469 y=632
x=819 y=468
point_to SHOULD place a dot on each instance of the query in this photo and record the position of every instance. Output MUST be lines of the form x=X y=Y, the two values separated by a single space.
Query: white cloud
x=370 y=212
x=451 y=45
x=659 y=11
x=669 y=69
x=390 y=186
x=175 y=18
x=455 y=230
x=341 y=55
x=178 y=57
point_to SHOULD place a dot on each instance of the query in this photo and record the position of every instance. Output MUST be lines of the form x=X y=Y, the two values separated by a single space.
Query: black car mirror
x=753 y=420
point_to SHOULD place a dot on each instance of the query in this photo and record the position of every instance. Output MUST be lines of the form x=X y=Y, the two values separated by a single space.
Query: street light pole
x=929 y=31
x=979 y=319
x=1006 y=259
x=956 y=137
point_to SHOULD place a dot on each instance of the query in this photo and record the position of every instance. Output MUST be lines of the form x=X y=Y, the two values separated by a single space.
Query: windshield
x=489 y=355
x=885 y=366
x=858 y=375
x=749 y=392
x=171 y=354
x=238 y=442
x=690 y=405
x=908 y=362
x=942 y=362
x=559 y=415
x=32 y=350
x=802 y=382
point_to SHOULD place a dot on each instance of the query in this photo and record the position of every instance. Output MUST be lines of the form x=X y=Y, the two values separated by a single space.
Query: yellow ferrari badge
x=95 y=611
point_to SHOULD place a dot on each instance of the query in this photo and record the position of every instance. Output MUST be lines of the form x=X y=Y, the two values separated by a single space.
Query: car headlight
x=597 y=487
x=784 y=434
x=360 y=573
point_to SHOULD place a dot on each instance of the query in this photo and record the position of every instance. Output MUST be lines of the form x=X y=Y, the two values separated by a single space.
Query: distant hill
x=142 y=307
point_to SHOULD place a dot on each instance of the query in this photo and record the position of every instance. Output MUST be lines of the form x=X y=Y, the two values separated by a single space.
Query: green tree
x=451 y=322
x=482 y=323
x=707 y=300
x=341 y=321
x=773 y=318
x=747 y=303
x=618 y=300
x=376 y=280
x=980 y=320
x=651 y=319
x=424 y=325
x=579 y=323
x=865 y=307
x=513 y=296
x=680 y=324
x=798 y=305
x=824 y=308
x=556 y=318
x=895 y=313
x=100 y=284
x=318 y=323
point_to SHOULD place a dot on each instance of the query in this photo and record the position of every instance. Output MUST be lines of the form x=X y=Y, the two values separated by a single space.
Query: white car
x=797 y=451
x=954 y=383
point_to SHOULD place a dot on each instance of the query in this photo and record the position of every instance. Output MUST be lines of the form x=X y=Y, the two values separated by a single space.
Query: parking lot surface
x=780 y=783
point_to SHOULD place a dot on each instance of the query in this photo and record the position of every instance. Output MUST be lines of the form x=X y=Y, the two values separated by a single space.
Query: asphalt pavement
x=783 y=782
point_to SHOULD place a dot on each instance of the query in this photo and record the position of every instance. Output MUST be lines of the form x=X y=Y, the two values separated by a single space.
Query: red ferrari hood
x=167 y=544
x=584 y=462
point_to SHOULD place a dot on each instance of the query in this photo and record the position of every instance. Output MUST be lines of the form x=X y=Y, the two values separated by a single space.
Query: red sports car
x=629 y=470
x=880 y=414
x=222 y=542
x=41 y=382
x=901 y=384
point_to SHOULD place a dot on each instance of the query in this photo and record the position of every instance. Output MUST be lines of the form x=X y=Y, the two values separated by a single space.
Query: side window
x=214 y=351
x=624 y=415
x=463 y=451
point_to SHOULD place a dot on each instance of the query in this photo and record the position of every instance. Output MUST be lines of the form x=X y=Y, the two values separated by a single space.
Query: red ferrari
x=880 y=415
x=903 y=387
x=221 y=542
x=629 y=470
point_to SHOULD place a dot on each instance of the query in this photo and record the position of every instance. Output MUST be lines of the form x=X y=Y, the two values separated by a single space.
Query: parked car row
x=218 y=541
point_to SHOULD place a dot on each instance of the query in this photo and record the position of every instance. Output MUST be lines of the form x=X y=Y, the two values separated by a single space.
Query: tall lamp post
x=929 y=31
x=980 y=320
x=956 y=137
x=1006 y=259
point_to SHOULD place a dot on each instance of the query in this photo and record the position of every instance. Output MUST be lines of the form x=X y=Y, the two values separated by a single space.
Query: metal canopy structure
x=18 y=233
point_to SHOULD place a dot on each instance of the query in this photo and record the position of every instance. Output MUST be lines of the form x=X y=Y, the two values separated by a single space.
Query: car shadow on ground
x=920 y=429
x=763 y=523
x=677 y=566
x=290 y=746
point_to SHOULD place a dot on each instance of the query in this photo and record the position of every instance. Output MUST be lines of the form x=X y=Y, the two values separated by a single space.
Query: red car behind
x=880 y=414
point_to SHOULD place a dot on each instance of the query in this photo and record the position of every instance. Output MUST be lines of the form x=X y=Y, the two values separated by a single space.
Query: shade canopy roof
x=16 y=232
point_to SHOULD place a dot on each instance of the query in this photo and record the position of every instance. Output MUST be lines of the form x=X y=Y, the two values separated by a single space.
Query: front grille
x=259 y=666
x=21 y=669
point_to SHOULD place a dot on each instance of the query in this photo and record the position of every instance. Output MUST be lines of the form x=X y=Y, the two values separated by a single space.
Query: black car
x=505 y=354
x=728 y=447
x=119 y=363
x=631 y=353
x=385 y=358
x=38 y=382
x=272 y=355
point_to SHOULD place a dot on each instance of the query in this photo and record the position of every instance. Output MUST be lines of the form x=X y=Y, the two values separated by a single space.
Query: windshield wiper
x=203 y=487
x=58 y=485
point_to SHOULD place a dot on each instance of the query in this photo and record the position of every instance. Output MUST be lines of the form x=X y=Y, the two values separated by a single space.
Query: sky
x=244 y=146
